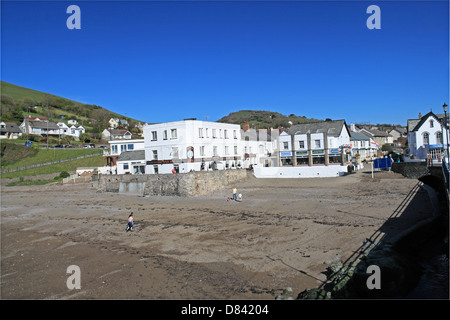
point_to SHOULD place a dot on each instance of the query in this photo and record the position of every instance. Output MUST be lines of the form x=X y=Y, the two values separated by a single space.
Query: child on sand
x=130 y=225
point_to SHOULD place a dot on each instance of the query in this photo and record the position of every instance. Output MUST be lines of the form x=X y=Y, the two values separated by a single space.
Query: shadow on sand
x=400 y=259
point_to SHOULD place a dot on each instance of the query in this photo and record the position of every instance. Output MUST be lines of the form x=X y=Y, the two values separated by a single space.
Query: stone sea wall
x=188 y=184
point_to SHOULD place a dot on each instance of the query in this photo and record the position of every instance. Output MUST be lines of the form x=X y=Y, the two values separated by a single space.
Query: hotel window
x=123 y=147
x=227 y=151
x=214 y=133
x=202 y=150
x=114 y=149
x=286 y=145
x=235 y=150
x=155 y=154
x=200 y=132
x=317 y=143
x=234 y=134
x=154 y=136
x=155 y=168
x=220 y=133
x=225 y=134
x=175 y=152
x=165 y=135
x=431 y=123
x=215 y=151
x=173 y=133
x=207 y=133
x=125 y=166
x=302 y=144
x=131 y=147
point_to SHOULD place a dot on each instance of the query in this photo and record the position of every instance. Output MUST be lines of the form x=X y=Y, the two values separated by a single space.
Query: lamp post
x=446 y=138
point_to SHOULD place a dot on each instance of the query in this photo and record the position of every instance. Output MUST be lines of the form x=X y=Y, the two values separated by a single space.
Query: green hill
x=17 y=102
x=264 y=119
x=11 y=153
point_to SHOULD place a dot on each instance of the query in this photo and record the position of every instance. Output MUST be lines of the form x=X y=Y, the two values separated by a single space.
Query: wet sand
x=282 y=234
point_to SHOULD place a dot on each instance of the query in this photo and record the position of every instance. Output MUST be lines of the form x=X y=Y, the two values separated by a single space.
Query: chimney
x=245 y=126
x=420 y=115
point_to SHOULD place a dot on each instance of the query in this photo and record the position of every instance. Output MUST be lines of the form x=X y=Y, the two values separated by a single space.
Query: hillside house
x=72 y=131
x=114 y=123
x=9 y=130
x=39 y=126
x=114 y=134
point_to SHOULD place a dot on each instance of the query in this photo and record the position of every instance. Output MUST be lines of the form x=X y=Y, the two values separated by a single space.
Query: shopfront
x=302 y=157
x=286 y=158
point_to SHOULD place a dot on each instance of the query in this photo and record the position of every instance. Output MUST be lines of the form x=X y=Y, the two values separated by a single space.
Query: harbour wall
x=181 y=184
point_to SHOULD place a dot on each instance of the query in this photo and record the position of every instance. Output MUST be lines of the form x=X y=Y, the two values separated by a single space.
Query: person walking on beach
x=234 y=193
x=130 y=225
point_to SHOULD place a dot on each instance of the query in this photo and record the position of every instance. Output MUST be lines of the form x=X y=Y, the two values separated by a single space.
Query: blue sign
x=382 y=163
x=286 y=154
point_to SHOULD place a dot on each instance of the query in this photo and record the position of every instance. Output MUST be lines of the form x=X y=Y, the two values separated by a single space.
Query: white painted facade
x=116 y=147
x=260 y=147
x=428 y=138
x=300 y=172
x=300 y=149
x=192 y=145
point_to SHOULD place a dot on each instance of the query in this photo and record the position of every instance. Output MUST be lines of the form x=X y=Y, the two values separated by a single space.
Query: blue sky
x=160 y=61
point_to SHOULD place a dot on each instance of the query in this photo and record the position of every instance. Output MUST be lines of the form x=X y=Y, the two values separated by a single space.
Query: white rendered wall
x=300 y=172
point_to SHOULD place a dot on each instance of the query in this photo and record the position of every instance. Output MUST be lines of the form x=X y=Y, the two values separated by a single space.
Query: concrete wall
x=300 y=172
x=188 y=184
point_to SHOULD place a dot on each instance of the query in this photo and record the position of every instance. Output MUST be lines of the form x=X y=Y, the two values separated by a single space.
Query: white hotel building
x=191 y=144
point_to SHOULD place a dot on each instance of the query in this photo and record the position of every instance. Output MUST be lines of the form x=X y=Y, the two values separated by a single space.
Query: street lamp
x=446 y=137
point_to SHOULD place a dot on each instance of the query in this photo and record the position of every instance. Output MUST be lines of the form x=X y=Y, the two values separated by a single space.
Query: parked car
x=103 y=147
x=87 y=146
x=59 y=146
x=68 y=146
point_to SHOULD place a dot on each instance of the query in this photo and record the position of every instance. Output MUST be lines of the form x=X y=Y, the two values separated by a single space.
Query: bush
x=64 y=174
x=387 y=147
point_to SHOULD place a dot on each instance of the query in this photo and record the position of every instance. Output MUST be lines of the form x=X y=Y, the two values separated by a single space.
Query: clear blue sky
x=160 y=61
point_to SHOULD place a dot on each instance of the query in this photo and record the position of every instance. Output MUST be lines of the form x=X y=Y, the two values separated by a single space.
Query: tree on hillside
x=10 y=111
x=85 y=137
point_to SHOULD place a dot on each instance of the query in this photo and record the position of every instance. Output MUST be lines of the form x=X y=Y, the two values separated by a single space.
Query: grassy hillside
x=18 y=93
x=96 y=161
x=15 y=156
x=17 y=102
x=12 y=152
x=264 y=119
x=9 y=159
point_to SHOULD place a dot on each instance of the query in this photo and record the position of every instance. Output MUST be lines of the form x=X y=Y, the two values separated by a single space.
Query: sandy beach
x=282 y=234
